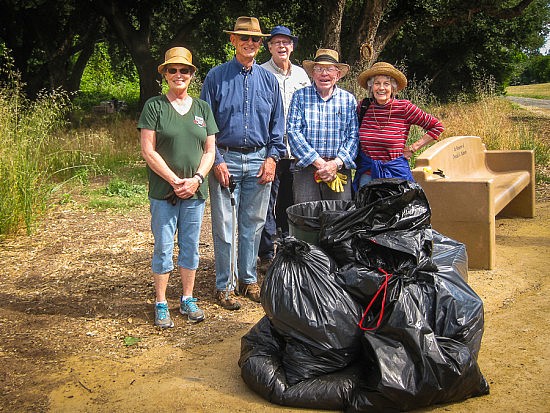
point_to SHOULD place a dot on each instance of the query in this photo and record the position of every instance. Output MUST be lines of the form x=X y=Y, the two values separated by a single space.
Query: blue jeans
x=251 y=201
x=306 y=189
x=186 y=218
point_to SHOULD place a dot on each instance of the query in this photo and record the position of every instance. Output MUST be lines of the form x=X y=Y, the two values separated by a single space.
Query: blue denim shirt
x=247 y=106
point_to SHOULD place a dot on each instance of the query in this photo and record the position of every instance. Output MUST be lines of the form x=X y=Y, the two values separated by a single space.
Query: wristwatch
x=276 y=158
x=199 y=177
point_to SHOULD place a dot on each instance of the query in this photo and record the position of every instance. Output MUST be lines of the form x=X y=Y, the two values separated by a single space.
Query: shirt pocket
x=263 y=102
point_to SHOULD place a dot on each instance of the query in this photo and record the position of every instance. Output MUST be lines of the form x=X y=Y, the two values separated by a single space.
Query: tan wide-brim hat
x=385 y=69
x=177 y=55
x=325 y=57
x=248 y=26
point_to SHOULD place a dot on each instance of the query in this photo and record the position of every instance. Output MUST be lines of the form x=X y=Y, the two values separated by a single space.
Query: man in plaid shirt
x=323 y=132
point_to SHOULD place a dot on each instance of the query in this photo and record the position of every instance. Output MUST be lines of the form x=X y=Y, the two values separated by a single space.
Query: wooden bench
x=478 y=185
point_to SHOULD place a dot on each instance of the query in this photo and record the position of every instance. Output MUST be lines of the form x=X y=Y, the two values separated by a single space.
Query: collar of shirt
x=334 y=90
x=279 y=70
x=241 y=69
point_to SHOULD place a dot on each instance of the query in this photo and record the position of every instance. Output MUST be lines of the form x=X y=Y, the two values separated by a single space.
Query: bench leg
x=479 y=238
x=523 y=205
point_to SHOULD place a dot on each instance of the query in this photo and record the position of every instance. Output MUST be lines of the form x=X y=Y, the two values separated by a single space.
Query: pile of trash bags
x=379 y=317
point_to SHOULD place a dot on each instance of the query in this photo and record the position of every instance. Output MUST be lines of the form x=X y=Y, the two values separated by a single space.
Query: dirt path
x=73 y=292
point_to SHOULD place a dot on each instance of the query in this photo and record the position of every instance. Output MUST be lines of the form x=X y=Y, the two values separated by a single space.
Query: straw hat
x=248 y=26
x=177 y=55
x=385 y=69
x=325 y=57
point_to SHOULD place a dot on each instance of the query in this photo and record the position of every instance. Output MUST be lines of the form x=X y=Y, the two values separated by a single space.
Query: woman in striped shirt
x=385 y=126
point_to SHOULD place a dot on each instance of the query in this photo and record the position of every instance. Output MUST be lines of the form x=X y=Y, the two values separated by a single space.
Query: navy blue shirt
x=247 y=106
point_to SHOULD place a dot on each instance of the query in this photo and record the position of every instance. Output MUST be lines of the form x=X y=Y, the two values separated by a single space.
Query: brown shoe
x=251 y=291
x=229 y=302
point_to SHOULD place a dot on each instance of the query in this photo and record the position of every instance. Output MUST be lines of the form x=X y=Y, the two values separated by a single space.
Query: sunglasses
x=255 y=39
x=182 y=70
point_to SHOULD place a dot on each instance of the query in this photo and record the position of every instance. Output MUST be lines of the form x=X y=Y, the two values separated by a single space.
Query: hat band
x=246 y=29
x=325 y=58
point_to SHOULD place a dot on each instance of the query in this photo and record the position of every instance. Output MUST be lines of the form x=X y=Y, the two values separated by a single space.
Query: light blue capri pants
x=186 y=218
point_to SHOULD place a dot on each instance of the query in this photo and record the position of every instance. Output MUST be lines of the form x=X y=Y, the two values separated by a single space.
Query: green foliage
x=102 y=80
x=130 y=341
x=117 y=187
x=536 y=69
x=28 y=130
x=119 y=195
x=455 y=56
x=42 y=157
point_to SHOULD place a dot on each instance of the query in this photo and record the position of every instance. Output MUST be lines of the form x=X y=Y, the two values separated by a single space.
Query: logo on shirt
x=199 y=121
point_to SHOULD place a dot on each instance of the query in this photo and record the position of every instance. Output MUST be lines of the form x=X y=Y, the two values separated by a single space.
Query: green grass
x=537 y=91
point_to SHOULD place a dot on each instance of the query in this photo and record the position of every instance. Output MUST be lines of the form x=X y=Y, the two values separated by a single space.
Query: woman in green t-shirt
x=178 y=144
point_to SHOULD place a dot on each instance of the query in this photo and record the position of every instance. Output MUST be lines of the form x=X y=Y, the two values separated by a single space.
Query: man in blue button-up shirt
x=247 y=106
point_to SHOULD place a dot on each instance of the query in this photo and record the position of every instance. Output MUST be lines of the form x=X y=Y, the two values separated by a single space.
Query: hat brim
x=399 y=77
x=246 y=33
x=308 y=67
x=293 y=38
x=174 y=60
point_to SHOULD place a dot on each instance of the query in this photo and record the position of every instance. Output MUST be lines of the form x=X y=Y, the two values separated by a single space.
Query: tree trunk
x=138 y=43
x=334 y=10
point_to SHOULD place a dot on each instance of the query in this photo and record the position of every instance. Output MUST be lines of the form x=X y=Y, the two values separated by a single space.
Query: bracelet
x=199 y=175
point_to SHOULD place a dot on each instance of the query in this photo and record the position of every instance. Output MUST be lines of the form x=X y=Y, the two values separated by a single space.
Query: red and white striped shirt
x=384 y=130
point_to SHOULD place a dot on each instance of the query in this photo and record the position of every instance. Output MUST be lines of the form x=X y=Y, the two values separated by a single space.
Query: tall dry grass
x=537 y=91
x=500 y=124
x=28 y=133
x=41 y=152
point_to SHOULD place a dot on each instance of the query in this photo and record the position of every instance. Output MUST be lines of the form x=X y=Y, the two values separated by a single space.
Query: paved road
x=539 y=103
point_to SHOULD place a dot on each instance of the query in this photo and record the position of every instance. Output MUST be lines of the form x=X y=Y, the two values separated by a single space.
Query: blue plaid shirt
x=318 y=128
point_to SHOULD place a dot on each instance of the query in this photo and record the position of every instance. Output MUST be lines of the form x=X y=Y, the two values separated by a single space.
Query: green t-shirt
x=180 y=140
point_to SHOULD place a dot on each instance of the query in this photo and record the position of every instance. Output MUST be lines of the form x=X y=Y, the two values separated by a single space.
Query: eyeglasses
x=284 y=43
x=332 y=69
x=182 y=70
x=255 y=39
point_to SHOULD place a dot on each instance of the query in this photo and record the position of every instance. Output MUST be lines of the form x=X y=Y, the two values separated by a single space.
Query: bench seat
x=478 y=185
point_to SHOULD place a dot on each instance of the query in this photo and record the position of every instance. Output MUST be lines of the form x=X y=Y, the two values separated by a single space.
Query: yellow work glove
x=337 y=184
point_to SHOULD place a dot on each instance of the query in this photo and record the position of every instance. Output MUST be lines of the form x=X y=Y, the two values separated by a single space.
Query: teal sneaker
x=162 y=316
x=189 y=308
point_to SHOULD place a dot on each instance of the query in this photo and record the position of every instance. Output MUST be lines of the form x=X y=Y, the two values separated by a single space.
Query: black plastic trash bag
x=262 y=349
x=421 y=353
x=422 y=333
x=381 y=206
x=422 y=323
x=316 y=317
x=304 y=219
x=449 y=255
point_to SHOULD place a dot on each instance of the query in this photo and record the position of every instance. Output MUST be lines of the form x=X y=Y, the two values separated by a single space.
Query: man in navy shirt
x=248 y=109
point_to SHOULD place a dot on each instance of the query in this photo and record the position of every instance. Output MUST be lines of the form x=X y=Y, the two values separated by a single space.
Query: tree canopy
x=450 y=43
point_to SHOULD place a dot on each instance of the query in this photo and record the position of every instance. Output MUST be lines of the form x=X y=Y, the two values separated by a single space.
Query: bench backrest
x=456 y=156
